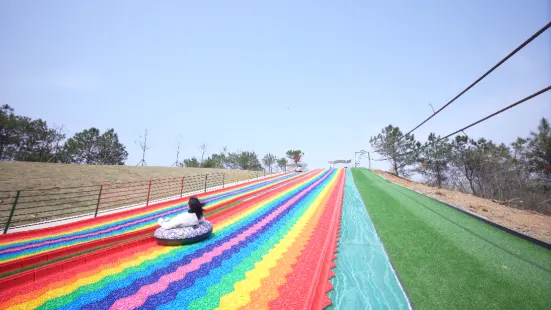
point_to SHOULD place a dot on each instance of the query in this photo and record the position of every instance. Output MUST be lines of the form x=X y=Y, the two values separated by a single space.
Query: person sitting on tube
x=192 y=217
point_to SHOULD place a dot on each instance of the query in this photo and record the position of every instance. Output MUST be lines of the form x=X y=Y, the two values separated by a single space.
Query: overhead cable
x=535 y=35
x=481 y=120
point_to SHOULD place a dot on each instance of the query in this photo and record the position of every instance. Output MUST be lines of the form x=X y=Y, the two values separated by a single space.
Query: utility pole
x=176 y=163
x=203 y=148
x=143 y=146
x=369 y=157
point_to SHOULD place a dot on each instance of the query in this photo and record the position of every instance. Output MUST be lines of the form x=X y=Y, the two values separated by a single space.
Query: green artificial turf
x=449 y=260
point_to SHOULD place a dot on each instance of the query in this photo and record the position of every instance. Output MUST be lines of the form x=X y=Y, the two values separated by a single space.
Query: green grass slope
x=449 y=260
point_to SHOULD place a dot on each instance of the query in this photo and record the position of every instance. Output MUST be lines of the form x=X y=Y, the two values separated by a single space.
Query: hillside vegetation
x=518 y=174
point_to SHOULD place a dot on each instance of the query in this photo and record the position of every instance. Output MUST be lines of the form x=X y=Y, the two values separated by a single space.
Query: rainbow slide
x=23 y=249
x=274 y=250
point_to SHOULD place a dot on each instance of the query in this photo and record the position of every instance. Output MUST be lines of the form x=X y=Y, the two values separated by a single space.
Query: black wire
x=483 y=119
x=500 y=111
x=535 y=35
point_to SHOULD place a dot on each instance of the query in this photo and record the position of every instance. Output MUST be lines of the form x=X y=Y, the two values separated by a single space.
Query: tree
x=515 y=175
x=434 y=160
x=214 y=161
x=399 y=150
x=490 y=170
x=190 y=163
x=231 y=160
x=25 y=139
x=294 y=155
x=282 y=164
x=209 y=163
x=248 y=160
x=89 y=147
x=203 y=148
x=539 y=151
x=519 y=150
x=111 y=151
x=8 y=133
x=37 y=142
x=269 y=160
x=245 y=160
x=466 y=159
x=57 y=138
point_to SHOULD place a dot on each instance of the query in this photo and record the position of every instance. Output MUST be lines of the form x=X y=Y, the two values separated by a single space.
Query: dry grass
x=27 y=175
x=52 y=191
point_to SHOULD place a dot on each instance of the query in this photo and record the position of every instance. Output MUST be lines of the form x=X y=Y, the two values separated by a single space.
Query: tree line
x=244 y=160
x=26 y=139
x=518 y=174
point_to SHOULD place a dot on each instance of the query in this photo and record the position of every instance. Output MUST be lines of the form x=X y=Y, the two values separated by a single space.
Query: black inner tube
x=174 y=242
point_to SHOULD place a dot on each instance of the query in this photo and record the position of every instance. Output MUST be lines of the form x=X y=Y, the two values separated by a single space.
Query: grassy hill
x=53 y=191
x=26 y=175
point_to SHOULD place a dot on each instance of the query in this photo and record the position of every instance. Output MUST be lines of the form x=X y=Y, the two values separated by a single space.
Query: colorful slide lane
x=20 y=246
x=274 y=251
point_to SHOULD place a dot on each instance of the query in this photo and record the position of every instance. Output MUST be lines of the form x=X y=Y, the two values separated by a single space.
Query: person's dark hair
x=196 y=206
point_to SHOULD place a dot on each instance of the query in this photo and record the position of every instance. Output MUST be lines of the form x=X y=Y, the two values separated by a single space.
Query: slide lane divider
x=84 y=261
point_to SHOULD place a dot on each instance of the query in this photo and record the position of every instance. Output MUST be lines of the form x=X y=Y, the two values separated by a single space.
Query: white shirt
x=181 y=220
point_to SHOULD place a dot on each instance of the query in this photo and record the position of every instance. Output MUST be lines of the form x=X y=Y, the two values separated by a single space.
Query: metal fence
x=31 y=206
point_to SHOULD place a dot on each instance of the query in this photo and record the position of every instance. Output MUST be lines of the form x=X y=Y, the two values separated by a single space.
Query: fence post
x=99 y=199
x=223 y=179
x=182 y=188
x=11 y=212
x=206 y=177
x=148 y=193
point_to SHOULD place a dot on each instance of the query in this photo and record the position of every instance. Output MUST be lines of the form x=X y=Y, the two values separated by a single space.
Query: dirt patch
x=530 y=223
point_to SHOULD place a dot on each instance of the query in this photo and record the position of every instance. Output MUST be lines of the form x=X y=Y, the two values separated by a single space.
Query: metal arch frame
x=332 y=163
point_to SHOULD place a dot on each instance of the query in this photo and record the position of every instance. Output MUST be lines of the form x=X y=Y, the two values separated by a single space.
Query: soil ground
x=530 y=223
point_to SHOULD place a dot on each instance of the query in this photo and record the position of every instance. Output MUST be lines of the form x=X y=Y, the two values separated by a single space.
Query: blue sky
x=322 y=76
